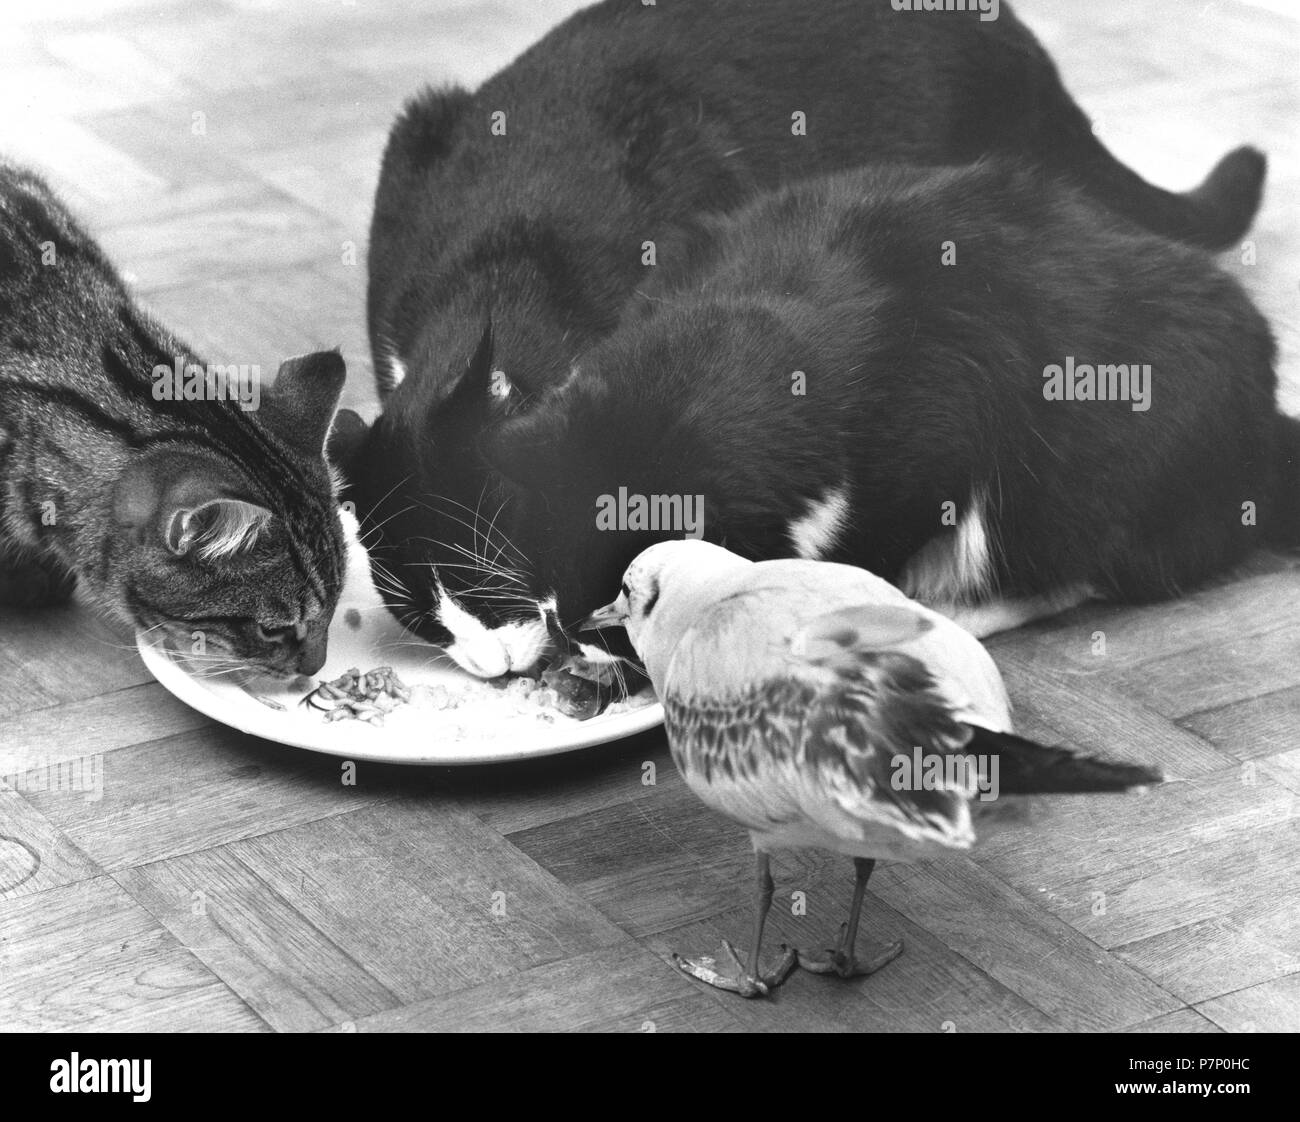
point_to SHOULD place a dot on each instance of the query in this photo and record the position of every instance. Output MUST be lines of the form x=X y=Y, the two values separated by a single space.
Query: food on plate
x=365 y=697
x=574 y=696
x=572 y=687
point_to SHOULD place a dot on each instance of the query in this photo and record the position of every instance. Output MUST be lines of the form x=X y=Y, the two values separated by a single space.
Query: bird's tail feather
x=1026 y=767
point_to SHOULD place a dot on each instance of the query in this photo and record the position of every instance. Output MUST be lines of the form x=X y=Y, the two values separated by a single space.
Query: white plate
x=487 y=728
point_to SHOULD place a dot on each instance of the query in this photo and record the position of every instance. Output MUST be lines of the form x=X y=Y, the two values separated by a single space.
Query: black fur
x=924 y=386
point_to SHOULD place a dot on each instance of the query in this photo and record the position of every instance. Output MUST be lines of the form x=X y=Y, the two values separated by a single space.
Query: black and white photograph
x=638 y=516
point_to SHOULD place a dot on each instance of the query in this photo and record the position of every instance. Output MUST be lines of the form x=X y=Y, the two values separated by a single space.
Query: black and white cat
x=973 y=381
x=513 y=225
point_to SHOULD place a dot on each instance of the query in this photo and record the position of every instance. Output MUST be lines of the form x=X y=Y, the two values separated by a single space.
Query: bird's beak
x=611 y=615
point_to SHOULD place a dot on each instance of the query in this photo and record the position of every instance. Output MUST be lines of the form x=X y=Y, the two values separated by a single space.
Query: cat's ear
x=189 y=504
x=346 y=440
x=474 y=390
x=300 y=405
x=422 y=133
x=215 y=530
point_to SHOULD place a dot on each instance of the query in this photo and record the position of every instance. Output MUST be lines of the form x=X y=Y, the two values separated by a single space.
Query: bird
x=821 y=708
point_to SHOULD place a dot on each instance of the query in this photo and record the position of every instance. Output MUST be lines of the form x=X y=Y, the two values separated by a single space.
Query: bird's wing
x=884 y=731
x=964 y=673
x=835 y=638
x=833 y=742
x=963 y=670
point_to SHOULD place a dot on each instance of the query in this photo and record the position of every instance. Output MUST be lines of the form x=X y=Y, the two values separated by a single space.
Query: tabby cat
x=180 y=516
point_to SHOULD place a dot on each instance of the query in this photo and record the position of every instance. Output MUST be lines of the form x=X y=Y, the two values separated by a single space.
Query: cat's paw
x=35 y=583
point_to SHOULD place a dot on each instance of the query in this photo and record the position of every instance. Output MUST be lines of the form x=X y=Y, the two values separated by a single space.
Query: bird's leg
x=736 y=977
x=762 y=905
x=842 y=960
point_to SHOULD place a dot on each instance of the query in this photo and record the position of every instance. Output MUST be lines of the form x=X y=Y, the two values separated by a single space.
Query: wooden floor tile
x=87 y=958
x=458 y=906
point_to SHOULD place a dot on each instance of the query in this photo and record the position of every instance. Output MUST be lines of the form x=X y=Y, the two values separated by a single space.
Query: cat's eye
x=274 y=634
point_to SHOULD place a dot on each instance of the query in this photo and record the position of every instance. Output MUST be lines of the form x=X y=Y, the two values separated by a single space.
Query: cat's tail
x=1214 y=215
x=1281 y=520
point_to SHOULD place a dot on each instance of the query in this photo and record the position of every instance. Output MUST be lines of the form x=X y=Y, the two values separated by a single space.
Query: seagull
x=821 y=708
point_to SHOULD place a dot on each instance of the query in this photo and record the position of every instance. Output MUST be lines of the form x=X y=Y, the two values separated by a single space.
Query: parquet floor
x=226 y=152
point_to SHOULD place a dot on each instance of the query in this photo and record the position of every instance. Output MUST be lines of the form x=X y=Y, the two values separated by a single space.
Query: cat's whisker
x=454 y=518
x=391 y=591
x=379 y=566
x=387 y=494
x=487 y=534
x=393 y=644
x=492 y=527
x=468 y=510
x=146 y=633
x=199 y=659
x=473 y=527
x=620 y=675
x=478 y=519
x=209 y=674
x=219 y=670
x=374 y=529
x=480 y=562
x=488 y=592
x=441 y=660
x=502 y=535
x=406 y=620
x=387 y=583
x=473 y=568
x=447 y=499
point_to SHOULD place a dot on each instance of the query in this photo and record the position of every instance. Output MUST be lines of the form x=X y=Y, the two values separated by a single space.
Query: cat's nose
x=311 y=655
x=310 y=660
